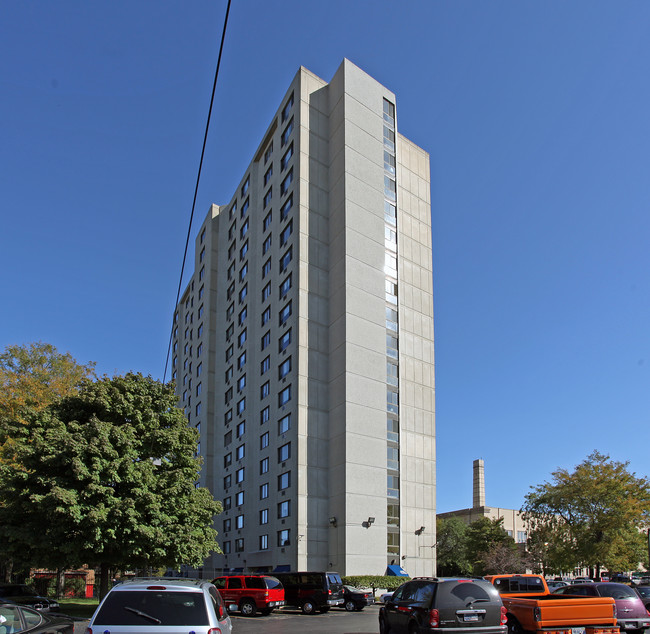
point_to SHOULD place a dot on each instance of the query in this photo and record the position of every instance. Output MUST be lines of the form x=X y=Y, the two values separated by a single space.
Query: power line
x=198 y=178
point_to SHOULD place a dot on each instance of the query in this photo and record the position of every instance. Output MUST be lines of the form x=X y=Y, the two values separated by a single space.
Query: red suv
x=251 y=593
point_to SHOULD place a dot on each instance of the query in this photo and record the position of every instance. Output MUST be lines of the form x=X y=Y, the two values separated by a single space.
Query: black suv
x=311 y=591
x=429 y=604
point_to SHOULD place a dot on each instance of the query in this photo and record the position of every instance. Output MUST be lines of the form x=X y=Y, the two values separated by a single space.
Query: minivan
x=312 y=591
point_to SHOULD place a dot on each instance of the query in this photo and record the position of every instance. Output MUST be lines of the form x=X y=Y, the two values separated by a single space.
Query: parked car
x=631 y=614
x=429 y=604
x=175 y=606
x=312 y=591
x=251 y=593
x=386 y=595
x=644 y=593
x=23 y=594
x=355 y=599
x=556 y=584
x=18 y=618
x=582 y=580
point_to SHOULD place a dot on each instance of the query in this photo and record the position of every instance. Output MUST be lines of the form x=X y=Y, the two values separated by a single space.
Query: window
x=285 y=313
x=227 y=419
x=227 y=503
x=239 y=475
x=268 y=174
x=389 y=112
x=231 y=251
x=268 y=152
x=232 y=211
x=264 y=466
x=389 y=162
x=391 y=346
x=267 y=197
x=286 y=233
x=229 y=350
x=227 y=460
x=240 y=452
x=265 y=390
x=226 y=525
x=227 y=481
x=267 y=245
x=203 y=232
x=284 y=368
x=243 y=251
x=231 y=230
x=264 y=491
x=266 y=339
x=243 y=272
x=389 y=138
x=239 y=498
x=229 y=332
x=287 y=108
x=284 y=341
x=265 y=365
x=284 y=424
x=239 y=545
x=284 y=396
x=391 y=292
x=231 y=270
x=241 y=428
x=244 y=187
x=242 y=337
x=202 y=273
x=239 y=521
x=201 y=311
x=198 y=389
x=392 y=458
x=226 y=548
x=264 y=440
x=241 y=361
x=227 y=438
x=286 y=133
x=243 y=313
x=392 y=402
x=391 y=373
x=231 y=291
x=286 y=207
x=244 y=207
x=285 y=259
x=285 y=159
x=283 y=537
x=390 y=188
x=288 y=179
x=266 y=269
x=284 y=452
x=264 y=415
x=285 y=286
x=284 y=509
x=241 y=406
x=243 y=293
x=228 y=396
x=264 y=516
x=391 y=318
x=199 y=369
x=264 y=542
x=266 y=292
x=266 y=315
x=267 y=221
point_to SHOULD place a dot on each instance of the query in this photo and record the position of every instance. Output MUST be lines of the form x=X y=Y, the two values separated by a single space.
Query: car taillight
x=537 y=613
x=329 y=591
x=504 y=615
x=89 y=630
x=434 y=618
x=215 y=630
x=614 y=606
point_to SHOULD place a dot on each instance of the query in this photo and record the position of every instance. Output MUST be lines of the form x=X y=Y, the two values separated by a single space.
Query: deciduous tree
x=599 y=508
x=108 y=479
x=451 y=547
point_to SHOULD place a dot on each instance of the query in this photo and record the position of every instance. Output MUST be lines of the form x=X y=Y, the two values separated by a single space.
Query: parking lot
x=286 y=621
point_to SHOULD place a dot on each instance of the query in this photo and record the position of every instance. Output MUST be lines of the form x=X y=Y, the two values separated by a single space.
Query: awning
x=396 y=571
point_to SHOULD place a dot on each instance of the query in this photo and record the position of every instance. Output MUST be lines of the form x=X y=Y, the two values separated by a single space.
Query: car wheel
x=349 y=606
x=247 y=607
x=513 y=626
x=308 y=607
x=413 y=628
x=384 y=628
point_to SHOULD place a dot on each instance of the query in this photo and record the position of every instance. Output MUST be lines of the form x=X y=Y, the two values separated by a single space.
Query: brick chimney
x=479 y=483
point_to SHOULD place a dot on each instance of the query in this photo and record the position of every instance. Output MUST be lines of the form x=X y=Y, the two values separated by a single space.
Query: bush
x=375 y=581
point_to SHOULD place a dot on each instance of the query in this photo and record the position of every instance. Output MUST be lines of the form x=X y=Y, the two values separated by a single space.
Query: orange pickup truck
x=532 y=608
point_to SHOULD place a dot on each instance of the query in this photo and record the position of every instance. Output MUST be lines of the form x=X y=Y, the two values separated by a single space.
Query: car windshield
x=644 y=591
x=616 y=591
x=272 y=583
x=148 y=607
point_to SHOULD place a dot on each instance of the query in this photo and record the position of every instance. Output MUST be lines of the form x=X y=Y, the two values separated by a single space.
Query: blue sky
x=535 y=115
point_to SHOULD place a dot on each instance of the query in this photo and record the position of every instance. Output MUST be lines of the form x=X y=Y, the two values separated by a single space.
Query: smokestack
x=479 y=483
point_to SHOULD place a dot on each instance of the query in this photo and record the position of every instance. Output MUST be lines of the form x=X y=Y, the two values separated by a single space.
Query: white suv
x=174 y=606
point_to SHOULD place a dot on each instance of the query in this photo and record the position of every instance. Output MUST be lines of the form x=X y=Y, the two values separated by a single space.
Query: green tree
x=31 y=378
x=108 y=479
x=483 y=535
x=451 y=547
x=598 y=509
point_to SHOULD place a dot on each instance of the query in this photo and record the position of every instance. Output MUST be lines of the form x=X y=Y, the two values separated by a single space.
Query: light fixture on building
x=368 y=522
x=333 y=521
x=420 y=530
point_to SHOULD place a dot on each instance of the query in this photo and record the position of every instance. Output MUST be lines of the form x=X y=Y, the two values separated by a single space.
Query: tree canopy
x=597 y=512
x=107 y=477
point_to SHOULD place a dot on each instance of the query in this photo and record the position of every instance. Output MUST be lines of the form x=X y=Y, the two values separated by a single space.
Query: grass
x=80 y=608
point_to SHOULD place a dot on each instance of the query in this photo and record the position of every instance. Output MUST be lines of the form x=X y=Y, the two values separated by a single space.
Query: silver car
x=161 y=606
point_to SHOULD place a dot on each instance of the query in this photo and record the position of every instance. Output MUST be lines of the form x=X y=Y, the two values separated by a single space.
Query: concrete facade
x=303 y=344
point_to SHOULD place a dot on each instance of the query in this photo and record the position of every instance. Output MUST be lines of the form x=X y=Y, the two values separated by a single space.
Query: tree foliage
x=597 y=510
x=483 y=536
x=451 y=547
x=107 y=478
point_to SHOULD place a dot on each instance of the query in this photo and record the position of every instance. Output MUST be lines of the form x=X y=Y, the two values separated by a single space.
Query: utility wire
x=196 y=188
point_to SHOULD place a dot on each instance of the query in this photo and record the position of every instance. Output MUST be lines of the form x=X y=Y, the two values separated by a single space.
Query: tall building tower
x=303 y=344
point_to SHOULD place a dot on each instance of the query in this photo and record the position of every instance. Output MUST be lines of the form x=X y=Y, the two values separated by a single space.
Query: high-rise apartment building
x=303 y=344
